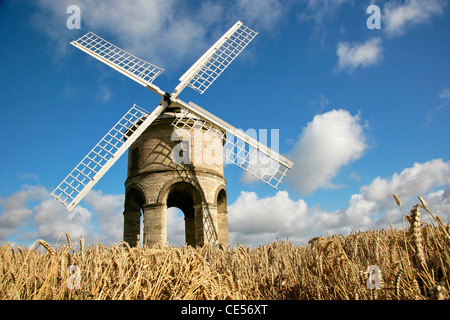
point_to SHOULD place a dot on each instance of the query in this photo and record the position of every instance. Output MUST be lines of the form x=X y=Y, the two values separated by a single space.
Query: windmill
x=238 y=147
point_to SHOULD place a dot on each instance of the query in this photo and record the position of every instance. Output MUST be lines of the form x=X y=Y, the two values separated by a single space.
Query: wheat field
x=413 y=263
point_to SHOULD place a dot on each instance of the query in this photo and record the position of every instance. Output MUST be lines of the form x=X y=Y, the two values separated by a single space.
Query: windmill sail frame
x=105 y=153
x=245 y=152
x=257 y=159
x=139 y=70
x=216 y=59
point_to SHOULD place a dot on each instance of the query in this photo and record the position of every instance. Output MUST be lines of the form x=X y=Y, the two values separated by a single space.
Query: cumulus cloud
x=51 y=220
x=254 y=220
x=108 y=209
x=160 y=31
x=439 y=202
x=31 y=213
x=329 y=142
x=417 y=179
x=139 y=26
x=15 y=210
x=354 y=55
x=399 y=16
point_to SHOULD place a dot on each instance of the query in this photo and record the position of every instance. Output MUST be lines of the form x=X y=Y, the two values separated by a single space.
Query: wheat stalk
x=329 y=268
x=82 y=247
x=417 y=236
x=397 y=200
x=397 y=283
x=436 y=218
x=47 y=246
x=68 y=239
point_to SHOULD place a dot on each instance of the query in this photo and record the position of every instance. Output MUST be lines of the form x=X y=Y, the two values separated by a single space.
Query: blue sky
x=363 y=113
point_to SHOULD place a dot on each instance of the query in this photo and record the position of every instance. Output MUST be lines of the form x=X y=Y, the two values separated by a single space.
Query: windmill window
x=134 y=159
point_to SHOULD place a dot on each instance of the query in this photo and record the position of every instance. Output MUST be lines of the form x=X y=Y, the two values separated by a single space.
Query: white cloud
x=32 y=213
x=139 y=26
x=15 y=209
x=418 y=179
x=108 y=211
x=329 y=142
x=52 y=220
x=439 y=202
x=397 y=17
x=255 y=221
x=163 y=32
x=261 y=14
x=445 y=94
x=354 y=55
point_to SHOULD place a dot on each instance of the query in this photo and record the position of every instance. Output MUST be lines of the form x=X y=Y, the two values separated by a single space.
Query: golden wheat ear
x=47 y=246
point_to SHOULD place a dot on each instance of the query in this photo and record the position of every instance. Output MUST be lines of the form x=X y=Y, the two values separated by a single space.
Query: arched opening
x=222 y=201
x=134 y=201
x=176 y=230
x=222 y=217
x=185 y=197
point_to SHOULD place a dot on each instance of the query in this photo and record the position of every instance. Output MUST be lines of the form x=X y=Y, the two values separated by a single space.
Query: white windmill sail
x=244 y=151
x=95 y=164
x=133 y=67
x=214 y=61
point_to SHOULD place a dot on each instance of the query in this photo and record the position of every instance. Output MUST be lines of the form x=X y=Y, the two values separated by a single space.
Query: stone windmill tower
x=165 y=170
x=176 y=152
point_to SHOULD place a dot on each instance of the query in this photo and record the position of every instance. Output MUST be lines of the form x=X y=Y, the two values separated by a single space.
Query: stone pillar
x=201 y=223
x=155 y=224
x=222 y=222
x=213 y=213
x=199 y=229
x=131 y=226
x=189 y=227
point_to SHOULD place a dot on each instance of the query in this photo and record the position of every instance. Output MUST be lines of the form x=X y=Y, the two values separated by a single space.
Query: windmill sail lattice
x=95 y=164
x=239 y=148
x=209 y=67
x=136 y=69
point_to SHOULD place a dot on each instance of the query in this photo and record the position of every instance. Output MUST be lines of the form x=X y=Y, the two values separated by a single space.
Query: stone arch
x=186 y=197
x=221 y=192
x=222 y=215
x=134 y=203
x=169 y=185
x=134 y=197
